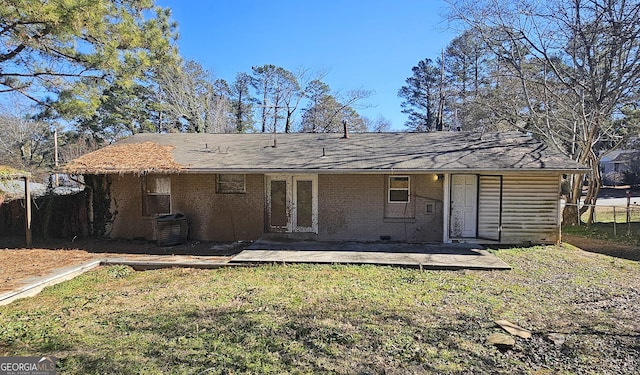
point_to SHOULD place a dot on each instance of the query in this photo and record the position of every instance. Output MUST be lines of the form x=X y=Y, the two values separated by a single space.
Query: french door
x=292 y=203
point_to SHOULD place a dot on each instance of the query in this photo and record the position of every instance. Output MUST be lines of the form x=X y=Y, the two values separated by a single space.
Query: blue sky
x=361 y=44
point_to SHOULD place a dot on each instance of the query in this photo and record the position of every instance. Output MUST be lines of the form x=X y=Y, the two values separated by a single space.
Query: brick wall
x=219 y=217
x=211 y=216
x=126 y=205
x=355 y=207
x=350 y=207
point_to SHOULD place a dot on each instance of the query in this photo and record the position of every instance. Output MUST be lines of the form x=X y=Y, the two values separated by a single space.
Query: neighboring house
x=618 y=161
x=618 y=168
x=14 y=189
x=416 y=187
x=12 y=183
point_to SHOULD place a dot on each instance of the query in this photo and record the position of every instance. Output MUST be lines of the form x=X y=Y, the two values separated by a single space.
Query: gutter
x=376 y=171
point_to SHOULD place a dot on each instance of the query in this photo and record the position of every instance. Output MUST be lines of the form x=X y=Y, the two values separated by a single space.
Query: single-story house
x=619 y=161
x=417 y=187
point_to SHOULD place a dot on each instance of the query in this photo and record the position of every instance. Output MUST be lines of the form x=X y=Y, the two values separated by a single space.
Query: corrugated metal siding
x=489 y=207
x=530 y=209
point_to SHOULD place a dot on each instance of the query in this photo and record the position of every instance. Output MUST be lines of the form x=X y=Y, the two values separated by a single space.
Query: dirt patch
x=595 y=245
x=18 y=263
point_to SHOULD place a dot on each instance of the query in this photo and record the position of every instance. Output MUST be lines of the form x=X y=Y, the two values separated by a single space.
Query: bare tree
x=221 y=119
x=378 y=125
x=196 y=102
x=577 y=63
x=24 y=143
x=326 y=111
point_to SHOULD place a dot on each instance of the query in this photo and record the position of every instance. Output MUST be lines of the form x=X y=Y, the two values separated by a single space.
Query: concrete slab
x=33 y=286
x=151 y=262
x=437 y=256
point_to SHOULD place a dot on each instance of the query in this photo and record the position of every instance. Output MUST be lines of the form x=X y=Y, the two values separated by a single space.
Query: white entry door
x=464 y=200
x=292 y=203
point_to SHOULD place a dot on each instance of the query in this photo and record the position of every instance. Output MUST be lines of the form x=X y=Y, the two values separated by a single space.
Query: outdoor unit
x=171 y=229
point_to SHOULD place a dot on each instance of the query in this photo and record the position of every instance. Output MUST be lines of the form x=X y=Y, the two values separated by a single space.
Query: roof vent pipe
x=346 y=129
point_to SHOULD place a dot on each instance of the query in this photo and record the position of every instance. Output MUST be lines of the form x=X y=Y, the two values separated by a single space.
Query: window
x=156 y=195
x=230 y=184
x=398 y=189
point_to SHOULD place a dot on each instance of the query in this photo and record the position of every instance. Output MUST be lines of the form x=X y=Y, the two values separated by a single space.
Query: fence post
x=614 y=221
x=628 y=213
x=578 y=212
x=27 y=211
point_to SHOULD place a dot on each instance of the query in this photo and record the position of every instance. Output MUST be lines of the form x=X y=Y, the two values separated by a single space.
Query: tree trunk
x=287 y=126
x=570 y=213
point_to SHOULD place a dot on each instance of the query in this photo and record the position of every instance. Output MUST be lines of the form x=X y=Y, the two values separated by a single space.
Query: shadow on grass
x=600 y=238
x=137 y=246
x=249 y=336
x=222 y=341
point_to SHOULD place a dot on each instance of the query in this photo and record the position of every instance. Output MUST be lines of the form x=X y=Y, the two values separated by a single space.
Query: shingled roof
x=325 y=153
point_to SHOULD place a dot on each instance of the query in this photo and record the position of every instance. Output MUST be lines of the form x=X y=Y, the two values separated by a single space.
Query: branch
x=50 y=74
x=12 y=54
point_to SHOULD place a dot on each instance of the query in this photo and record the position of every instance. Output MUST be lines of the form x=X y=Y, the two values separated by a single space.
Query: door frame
x=292 y=203
x=475 y=207
x=448 y=184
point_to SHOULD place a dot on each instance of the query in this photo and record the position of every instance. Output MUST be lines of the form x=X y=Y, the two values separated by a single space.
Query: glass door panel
x=279 y=217
x=304 y=203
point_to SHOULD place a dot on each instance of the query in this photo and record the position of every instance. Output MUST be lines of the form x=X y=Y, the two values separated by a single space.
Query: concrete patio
x=423 y=256
x=430 y=256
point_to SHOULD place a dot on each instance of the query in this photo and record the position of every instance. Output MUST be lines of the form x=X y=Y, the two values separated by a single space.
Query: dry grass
x=137 y=158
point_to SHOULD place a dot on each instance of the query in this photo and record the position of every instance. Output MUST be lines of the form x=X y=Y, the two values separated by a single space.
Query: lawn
x=628 y=234
x=339 y=319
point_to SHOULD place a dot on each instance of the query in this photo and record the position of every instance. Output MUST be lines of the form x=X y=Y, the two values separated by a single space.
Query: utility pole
x=55 y=156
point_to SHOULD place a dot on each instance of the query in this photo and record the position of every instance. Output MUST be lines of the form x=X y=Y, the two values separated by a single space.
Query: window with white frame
x=399 y=189
x=156 y=195
x=230 y=184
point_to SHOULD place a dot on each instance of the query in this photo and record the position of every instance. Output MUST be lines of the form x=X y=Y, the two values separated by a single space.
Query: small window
x=398 y=189
x=230 y=184
x=156 y=195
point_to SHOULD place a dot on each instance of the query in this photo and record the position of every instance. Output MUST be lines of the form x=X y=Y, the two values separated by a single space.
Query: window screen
x=398 y=188
x=230 y=184
x=156 y=195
